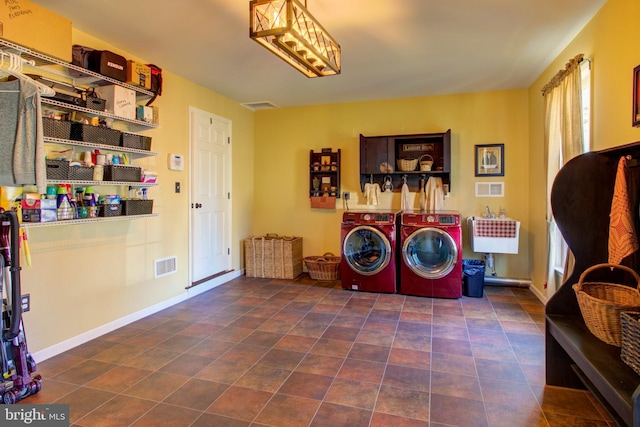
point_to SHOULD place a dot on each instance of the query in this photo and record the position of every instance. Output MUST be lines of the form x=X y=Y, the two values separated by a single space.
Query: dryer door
x=366 y=250
x=430 y=252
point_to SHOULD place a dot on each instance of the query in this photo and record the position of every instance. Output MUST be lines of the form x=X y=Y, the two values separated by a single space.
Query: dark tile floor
x=265 y=352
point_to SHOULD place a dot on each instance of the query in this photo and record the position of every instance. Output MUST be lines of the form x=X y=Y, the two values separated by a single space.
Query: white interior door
x=210 y=195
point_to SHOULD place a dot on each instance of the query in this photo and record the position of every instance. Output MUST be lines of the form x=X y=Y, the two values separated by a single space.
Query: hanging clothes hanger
x=15 y=69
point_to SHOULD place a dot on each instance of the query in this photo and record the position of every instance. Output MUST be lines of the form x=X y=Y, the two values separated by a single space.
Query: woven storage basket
x=325 y=267
x=273 y=256
x=123 y=173
x=95 y=134
x=57 y=169
x=53 y=128
x=110 y=210
x=136 y=207
x=630 y=348
x=81 y=173
x=407 y=165
x=601 y=303
x=131 y=140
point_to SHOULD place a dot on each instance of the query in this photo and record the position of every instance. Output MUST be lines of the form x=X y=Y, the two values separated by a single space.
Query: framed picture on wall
x=490 y=160
x=635 y=121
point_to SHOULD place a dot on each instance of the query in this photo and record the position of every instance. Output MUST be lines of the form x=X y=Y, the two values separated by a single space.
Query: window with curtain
x=567 y=100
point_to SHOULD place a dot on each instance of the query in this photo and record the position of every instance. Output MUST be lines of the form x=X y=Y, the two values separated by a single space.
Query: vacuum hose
x=10 y=250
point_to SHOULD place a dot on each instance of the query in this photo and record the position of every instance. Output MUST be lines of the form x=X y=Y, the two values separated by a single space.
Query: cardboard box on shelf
x=37 y=28
x=120 y=101
x=138 y=74
x=39 y=210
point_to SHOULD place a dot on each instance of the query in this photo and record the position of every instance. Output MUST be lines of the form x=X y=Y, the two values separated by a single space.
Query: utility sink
x=493 y=235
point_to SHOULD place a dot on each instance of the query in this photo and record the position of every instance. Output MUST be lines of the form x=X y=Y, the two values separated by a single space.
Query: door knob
x=198 y=205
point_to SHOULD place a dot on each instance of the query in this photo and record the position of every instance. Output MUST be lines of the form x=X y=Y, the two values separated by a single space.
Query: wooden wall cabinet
x=324 y=178
x=380 y=157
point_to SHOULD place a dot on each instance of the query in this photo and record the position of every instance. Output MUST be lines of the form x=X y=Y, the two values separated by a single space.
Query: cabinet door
x=374 y=151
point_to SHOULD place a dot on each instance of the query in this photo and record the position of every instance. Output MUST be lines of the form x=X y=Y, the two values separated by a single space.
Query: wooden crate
x=273 y=256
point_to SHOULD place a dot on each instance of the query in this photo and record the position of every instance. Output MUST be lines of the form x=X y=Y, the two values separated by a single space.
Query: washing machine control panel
x=373 y=218
x=447 y=220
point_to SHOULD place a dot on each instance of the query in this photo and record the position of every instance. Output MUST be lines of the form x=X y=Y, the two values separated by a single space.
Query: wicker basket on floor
x=325 y=267
x=601 y=303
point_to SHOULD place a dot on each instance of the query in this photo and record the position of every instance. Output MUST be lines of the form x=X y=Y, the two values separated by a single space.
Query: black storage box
x=122 y=173
x=136 y=207
x=94 y=103
x=132 y=140
x=473 y=278
x=53 y=128
x=81 y=173
x=108 y=64
x=57 y=169
x=108 y=210
x=95 y=134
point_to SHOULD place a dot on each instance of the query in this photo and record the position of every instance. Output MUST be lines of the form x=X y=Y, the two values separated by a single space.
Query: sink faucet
x=487 y=212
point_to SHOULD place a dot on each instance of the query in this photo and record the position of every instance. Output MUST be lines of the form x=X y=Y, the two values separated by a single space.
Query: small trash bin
x=473 y=278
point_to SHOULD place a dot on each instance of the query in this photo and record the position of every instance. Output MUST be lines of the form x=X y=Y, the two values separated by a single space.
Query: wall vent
x=489 y=189
x=166 y=266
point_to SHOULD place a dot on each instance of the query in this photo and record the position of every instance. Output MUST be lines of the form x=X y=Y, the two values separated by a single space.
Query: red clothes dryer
x=369 y=251
x=430 y=258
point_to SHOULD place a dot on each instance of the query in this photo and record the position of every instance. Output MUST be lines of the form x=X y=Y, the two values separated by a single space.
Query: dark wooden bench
x=581 y=201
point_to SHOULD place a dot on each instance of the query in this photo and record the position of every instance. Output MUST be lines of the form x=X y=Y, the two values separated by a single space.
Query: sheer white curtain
x=564 y=139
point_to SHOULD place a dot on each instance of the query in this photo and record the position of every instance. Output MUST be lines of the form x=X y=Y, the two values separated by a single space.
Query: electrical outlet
x=26 y=302
x=347 y=195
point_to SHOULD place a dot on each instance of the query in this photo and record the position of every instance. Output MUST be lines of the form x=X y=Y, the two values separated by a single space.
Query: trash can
x=473 y=278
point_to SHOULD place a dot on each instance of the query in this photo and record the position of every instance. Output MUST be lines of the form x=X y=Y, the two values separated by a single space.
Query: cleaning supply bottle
x=63 y=204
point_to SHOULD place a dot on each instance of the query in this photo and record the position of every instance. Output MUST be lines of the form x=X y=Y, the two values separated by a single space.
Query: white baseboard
x=541 y=296
x=63 y=346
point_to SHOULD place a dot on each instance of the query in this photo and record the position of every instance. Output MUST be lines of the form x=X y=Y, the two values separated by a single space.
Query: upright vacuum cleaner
x=16 y=381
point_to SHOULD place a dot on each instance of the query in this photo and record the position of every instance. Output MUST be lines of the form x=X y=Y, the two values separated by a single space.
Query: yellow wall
x=609 y=40
x=283 y=138
x=88 y=275
x=85 y=276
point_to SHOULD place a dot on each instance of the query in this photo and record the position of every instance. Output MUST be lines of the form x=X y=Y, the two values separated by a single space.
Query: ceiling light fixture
x=286 y=28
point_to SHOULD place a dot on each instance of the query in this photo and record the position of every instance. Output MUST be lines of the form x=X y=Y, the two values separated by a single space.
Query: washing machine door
x=366 y=250
x=430 y=252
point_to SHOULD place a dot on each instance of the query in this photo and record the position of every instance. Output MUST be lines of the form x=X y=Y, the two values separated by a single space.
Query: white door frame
x=228 y=177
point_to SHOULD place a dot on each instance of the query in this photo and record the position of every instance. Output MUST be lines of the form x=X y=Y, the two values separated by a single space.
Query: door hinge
x=228 y=251
x=228 y=140
x=229 y=195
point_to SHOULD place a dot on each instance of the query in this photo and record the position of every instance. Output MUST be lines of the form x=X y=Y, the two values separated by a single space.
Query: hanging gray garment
x=9 y=108
x=22 y=157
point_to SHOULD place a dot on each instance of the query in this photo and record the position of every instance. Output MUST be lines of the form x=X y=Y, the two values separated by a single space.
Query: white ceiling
x=390 y=48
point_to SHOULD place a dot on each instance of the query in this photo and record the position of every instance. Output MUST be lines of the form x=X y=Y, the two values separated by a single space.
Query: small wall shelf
x=324 y=178
x=380 y=155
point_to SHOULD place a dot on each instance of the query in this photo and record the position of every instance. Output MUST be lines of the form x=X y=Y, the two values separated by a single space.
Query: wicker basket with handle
x=407 y=165
x=601 y=303
x=325 y=267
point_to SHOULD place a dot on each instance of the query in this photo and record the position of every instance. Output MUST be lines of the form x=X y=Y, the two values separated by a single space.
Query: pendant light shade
x=286 y=28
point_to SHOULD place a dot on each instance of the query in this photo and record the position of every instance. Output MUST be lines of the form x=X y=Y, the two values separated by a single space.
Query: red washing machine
x=369 y=251
x=430 y=254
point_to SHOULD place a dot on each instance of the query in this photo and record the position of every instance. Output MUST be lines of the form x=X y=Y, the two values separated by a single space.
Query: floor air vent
x=166 y=266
